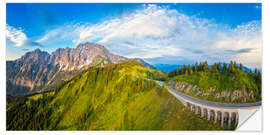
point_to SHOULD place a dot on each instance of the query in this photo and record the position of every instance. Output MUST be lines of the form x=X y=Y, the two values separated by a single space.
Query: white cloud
x=17 y=36
x=147 y=23
x=244 y=37
x=68 y=32
x=154 y=51
x=158 y=31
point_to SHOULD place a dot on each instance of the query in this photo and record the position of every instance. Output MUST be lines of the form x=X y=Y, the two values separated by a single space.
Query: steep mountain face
x=113 y=97
x=38 y=70
x=70 y=59
x=30 y=70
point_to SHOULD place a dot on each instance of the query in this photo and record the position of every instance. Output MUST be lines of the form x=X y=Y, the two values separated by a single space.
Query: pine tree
x=241 y=67
x=258 y=79
x=177 y=71
x=195 y=67
x=188 y=69
x=200 y=67
x=224 y=67
x=183 y=69
x=231 y=67
x=219 y=67
x=205 y=66
x=212 y=68
x=234 y=64
x=256 y=71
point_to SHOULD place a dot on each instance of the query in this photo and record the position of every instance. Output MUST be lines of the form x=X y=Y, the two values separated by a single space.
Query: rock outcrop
x=213 y=94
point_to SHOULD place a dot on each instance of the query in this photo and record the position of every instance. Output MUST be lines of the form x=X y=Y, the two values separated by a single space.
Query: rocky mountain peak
x=80 y=57
x=34 y=56
x=38 y=69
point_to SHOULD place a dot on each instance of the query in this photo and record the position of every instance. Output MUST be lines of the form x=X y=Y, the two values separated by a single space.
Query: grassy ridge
x=221 y=82
x=115 y=97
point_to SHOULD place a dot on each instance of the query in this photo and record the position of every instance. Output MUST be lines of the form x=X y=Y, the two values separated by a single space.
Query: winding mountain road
x=184 y=97
x=225 y=113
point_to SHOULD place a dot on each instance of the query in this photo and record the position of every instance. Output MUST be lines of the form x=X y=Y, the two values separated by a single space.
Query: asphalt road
x=182 y=96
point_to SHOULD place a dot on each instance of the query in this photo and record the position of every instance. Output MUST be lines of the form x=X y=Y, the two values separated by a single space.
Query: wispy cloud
x=19 y=38
x=246 y=43
x=153 y=32
x=16 y=36
x=245 y=50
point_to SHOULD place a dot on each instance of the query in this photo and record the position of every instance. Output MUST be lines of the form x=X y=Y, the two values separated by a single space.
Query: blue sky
x=158 y=33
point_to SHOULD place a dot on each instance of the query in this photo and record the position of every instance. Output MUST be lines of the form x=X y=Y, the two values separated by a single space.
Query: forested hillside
x=218 y=82
x=114 y=97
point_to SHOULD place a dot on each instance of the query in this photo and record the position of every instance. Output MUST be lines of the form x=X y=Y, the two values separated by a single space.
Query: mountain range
x=38 y=70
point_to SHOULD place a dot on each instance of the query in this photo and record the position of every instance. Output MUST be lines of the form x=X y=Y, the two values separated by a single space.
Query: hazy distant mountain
x=167 y=67
x=38 y=70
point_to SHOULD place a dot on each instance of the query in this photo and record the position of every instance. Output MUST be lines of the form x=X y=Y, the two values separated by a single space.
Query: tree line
x=232 y=67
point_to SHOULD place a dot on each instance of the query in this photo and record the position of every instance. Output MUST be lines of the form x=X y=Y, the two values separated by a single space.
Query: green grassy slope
x=115 y=97
x=215 y=83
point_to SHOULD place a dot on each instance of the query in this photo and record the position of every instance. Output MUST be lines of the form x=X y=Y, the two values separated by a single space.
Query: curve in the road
x=211 y=103
x=224 y=113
